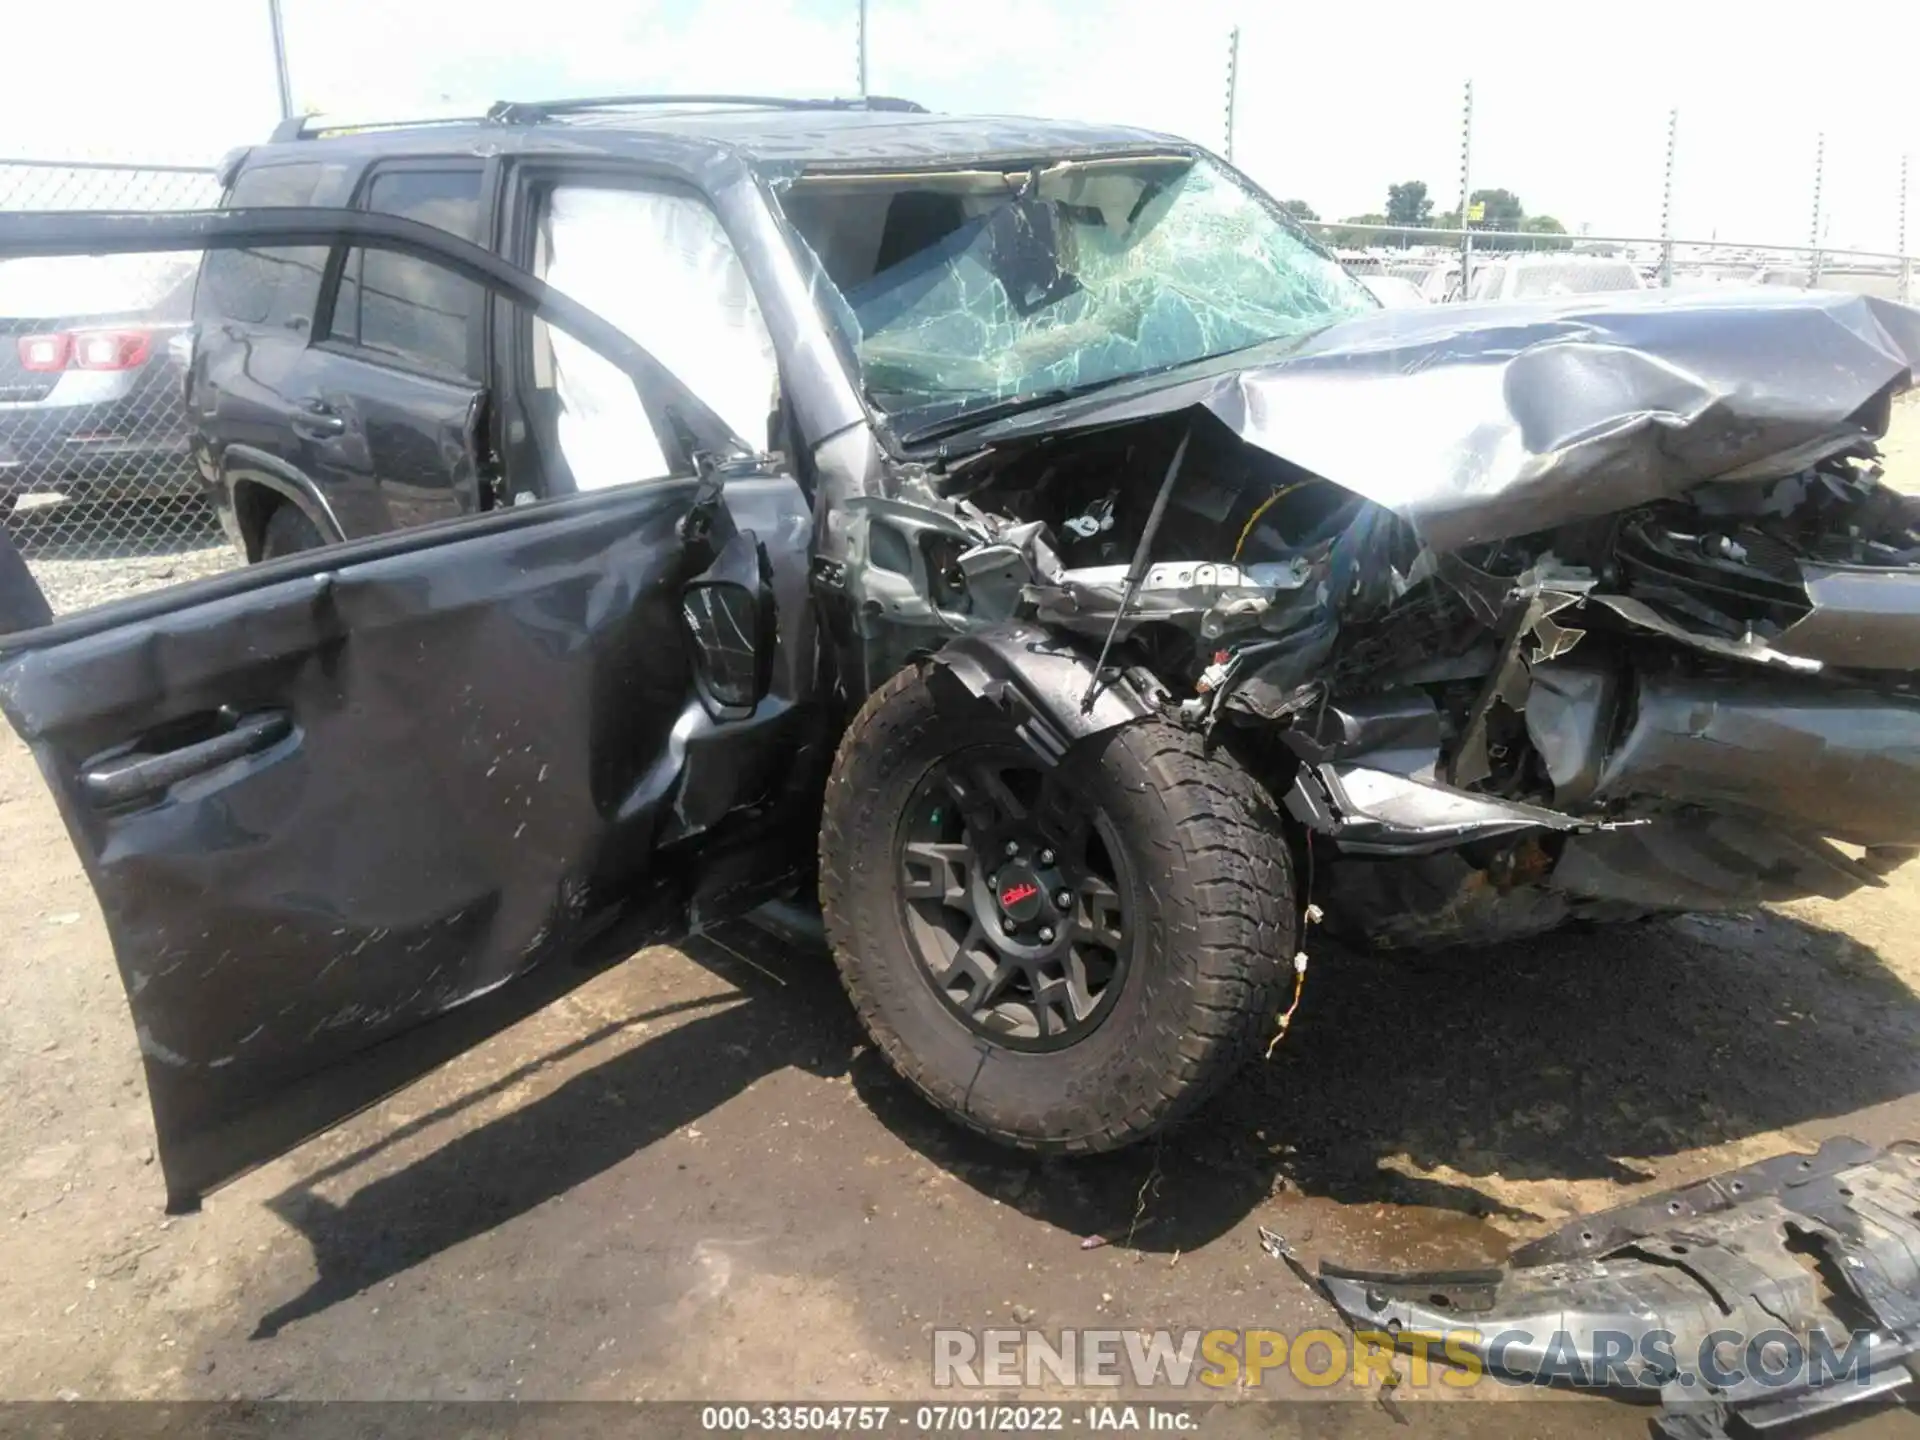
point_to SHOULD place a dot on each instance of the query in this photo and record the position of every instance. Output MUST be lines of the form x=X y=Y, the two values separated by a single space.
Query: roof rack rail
x=306 y=127
x=527 y=112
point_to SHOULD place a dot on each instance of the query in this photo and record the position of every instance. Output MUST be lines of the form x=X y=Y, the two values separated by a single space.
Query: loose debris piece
x=1276 y=1245
x=1798 y=1256
x=1149 y=1187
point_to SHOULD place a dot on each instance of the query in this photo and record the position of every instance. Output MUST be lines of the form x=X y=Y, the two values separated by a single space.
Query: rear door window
x=278 y=286
x=405 y=309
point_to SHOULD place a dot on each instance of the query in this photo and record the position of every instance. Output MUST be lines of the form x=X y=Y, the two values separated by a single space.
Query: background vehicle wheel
x=288 y=532
x=1064 y=960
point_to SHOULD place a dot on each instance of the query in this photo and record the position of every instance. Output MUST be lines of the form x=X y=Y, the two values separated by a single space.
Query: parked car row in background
x=93 y=354
x=1397 y=282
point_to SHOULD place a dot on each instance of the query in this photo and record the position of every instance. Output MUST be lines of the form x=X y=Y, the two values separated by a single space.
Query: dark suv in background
x=340 y=393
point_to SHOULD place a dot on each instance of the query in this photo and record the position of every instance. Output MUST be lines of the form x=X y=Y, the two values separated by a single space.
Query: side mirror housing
x=729 y=613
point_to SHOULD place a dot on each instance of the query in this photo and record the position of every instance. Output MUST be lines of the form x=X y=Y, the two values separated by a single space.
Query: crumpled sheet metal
x=1047 y=687
x=1632 y=1298
x=1569 y=710
x=1861 y=618
x=1485 y=421
x=1376 y=812
x=1820 y=760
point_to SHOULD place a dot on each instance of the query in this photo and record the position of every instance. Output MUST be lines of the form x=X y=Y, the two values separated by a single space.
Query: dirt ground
x=691 y=1179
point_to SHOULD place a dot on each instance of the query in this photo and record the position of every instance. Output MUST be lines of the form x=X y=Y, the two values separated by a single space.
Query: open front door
x=349 y=812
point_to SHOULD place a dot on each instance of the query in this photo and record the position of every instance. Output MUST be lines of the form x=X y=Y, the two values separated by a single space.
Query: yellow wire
x=1299 y=984
x=1261 y=509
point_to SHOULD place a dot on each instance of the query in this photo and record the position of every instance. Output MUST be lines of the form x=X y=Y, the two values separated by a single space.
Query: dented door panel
x=477 y=747
x=349 y=812
x=479 y=744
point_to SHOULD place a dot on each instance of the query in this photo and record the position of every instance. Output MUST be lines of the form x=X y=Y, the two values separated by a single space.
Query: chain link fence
x=1507 y=265
x=97 y=486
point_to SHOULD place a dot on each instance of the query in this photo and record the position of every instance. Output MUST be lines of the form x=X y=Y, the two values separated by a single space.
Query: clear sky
x=1336 y=101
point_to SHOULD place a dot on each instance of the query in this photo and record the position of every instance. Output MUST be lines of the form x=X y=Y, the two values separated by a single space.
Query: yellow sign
x=1476 y=212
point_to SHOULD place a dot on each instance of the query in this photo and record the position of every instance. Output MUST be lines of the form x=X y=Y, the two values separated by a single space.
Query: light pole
x=1819 y=167
x=860 y=48
x=1466 y=192
x=1233 y=83
x=1666 y=205
x=280 y=58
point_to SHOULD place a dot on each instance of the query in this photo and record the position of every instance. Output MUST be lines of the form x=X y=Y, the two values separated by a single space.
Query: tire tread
x=1224 y=892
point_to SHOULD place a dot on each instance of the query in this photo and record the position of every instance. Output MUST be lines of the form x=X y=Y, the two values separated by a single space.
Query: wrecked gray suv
x=1099 y=584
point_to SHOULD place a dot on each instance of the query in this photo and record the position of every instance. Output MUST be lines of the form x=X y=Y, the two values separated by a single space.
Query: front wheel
x=1066 y=959
x=289 y=532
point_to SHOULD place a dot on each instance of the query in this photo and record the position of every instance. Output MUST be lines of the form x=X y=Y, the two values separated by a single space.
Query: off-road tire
x=1214 y=932
x=288 y=532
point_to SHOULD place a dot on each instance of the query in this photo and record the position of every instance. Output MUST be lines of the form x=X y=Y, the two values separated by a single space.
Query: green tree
x=1497 y=210
x=1355 y=239
x=1299 y=210
x=1407 y=204
x=1548 y=226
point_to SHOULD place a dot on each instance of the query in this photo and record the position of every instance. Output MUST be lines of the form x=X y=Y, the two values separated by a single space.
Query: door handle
x=317 y=420
x=117 y=779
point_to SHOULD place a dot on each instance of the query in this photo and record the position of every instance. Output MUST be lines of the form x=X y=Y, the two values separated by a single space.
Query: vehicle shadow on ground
x=1537 y=1061
x=587 y=1124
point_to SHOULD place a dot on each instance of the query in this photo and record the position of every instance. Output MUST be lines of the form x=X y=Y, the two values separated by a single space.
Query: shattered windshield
x=974 y=288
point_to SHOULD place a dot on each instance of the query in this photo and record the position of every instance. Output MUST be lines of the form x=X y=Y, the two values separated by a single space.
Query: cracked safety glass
x=985 y=287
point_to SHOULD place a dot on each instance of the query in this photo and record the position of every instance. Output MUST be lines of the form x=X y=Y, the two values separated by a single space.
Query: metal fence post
x=1819 y=166
x=1466 y=193
x=1666 y=204
x=1906 y=260
x=859 y=48
x=1233 y=83
x=280 y=58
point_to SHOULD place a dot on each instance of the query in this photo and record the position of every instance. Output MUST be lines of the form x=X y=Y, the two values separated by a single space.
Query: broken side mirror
x=729 y=612
x=23 y=605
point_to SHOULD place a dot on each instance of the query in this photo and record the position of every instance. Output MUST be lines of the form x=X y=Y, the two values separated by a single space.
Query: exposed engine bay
x=1535 y=611
x=1581 y=723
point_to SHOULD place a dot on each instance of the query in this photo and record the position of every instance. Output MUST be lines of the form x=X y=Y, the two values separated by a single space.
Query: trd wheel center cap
x=1019 y=894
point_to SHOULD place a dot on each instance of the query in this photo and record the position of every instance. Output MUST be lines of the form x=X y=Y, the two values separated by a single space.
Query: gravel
x=74 y=585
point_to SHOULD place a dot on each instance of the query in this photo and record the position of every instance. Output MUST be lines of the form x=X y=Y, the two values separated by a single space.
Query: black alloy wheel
x=1014 y=902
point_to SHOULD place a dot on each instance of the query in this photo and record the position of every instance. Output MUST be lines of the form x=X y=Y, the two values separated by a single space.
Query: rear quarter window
x=279 y=285
x=404 y=308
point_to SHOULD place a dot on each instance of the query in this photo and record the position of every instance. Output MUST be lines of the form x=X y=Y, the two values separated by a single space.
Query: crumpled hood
x=1482 y=421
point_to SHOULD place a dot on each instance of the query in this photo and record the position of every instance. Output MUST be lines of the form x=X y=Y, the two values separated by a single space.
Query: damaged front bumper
x=1761 y=1296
